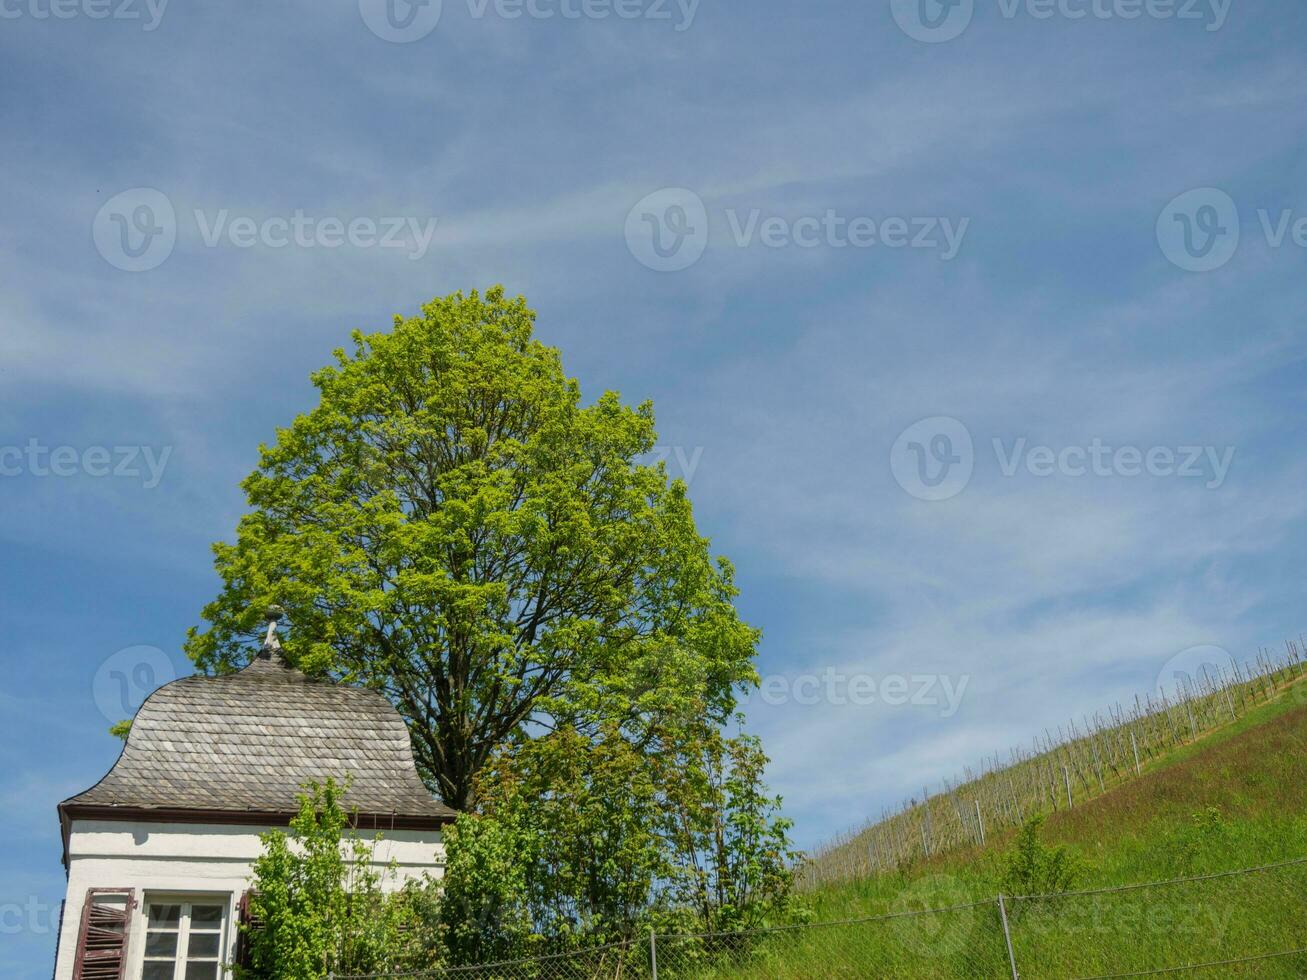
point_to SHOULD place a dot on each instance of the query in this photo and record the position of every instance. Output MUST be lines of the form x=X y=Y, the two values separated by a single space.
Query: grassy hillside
x=1079 y=761
x=1237 y=798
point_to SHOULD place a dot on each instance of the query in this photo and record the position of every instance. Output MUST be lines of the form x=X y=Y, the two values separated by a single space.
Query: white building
x=159 y=852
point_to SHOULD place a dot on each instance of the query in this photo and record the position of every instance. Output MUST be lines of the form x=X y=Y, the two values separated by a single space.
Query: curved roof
x=244 y=743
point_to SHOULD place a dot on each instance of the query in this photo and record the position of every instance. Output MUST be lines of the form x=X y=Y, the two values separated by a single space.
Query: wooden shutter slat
x=102 y=938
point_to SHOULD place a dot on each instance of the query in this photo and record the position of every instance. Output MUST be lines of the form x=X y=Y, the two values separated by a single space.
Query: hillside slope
x=1235 y=799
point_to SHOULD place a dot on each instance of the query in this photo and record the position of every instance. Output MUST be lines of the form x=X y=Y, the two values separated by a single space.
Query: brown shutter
x=102 y=940
x=247 y=922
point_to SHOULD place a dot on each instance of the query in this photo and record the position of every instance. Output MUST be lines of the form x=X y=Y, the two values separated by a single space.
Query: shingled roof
x=238 y=747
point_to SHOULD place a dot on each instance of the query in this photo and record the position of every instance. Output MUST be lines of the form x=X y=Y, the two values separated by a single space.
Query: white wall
x=205 y=859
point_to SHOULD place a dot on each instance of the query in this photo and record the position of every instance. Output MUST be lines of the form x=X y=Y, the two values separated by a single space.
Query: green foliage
x=452 y=526
x=321 y=906
x=121 y=729
x=591 y=840
x=1032 y=867
x=485 y=914
x=1203 y=842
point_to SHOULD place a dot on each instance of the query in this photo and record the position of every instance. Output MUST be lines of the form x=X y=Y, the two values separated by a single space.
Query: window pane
x=206 y=916
x=161 y=944
x=157 y=971
x=167 y=916
x=203 y=944
x=201 y=971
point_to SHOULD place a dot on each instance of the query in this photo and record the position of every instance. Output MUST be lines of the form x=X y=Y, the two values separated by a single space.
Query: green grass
x=1236 y=798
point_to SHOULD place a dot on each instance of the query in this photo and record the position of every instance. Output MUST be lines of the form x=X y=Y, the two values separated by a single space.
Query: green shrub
x=1032 y=867
x=319 y=903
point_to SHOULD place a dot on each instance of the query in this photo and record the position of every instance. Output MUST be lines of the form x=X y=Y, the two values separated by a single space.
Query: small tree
x=319 y=903
x=1034 y=868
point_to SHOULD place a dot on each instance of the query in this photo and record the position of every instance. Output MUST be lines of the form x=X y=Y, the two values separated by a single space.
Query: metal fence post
x=653 y=954
x=1007 y=938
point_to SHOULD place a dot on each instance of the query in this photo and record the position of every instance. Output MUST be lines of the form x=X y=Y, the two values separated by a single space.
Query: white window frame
x=186 y=900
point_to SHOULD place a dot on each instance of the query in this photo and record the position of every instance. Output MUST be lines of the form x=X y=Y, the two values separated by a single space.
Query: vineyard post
x=1135 y=745
x=980 y=823
x=1066 y=778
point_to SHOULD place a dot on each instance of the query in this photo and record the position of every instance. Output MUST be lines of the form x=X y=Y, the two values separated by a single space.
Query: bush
x=1032 y=867
x=319 y=903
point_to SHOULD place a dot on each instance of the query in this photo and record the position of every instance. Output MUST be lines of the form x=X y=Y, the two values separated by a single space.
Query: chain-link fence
x=1250 y=923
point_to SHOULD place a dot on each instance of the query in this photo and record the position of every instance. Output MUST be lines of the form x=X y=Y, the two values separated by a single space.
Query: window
x=183 y=939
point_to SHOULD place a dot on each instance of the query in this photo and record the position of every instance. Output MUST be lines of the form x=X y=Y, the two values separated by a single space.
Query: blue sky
x=788 y=363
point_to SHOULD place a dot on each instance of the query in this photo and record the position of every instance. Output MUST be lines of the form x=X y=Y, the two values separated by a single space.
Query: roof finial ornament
x=271 y=645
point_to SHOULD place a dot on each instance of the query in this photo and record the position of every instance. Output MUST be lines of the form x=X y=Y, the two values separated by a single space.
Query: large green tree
x=454 y=526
